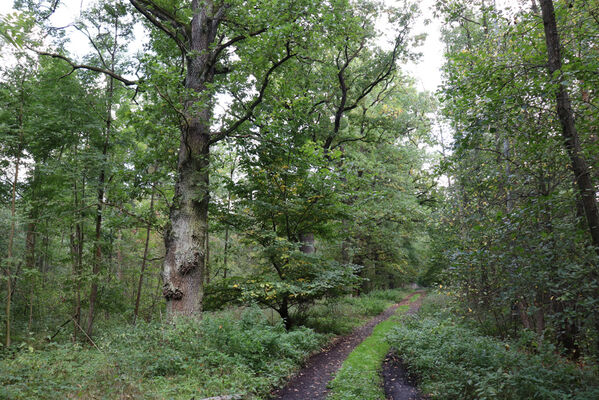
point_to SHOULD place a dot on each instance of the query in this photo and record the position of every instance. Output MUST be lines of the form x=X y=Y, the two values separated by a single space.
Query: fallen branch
x=60 y=328
x=85 y=333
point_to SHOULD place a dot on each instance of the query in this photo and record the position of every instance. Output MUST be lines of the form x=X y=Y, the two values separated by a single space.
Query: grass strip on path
x=359 y=376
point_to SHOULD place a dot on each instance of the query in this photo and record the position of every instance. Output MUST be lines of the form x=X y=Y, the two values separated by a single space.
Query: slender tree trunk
x=101 y=183
x=119 y=258
x=99 y=209
x=226 y=253
x=226 y=250
x=11 y=235
x=30 y=241
x=580 y=168
x=30 y=263
x=509 y=202
x=77 y=252
x=207 y=257
x=284 y=313
x=9 y=254
x=144 y=259
x=80 y=243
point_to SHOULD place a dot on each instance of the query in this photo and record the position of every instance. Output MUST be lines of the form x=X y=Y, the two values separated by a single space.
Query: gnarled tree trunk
x=185 y=241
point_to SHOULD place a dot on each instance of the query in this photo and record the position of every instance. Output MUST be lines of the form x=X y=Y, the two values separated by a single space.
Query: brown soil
x=310 y=383
x=397 y=383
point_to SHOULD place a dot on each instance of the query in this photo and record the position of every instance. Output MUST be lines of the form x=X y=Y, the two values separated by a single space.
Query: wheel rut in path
x=396 y=381
x=310 y=383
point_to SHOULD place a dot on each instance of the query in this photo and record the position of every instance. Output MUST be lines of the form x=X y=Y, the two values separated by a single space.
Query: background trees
x=517 y=215
x=312 y=187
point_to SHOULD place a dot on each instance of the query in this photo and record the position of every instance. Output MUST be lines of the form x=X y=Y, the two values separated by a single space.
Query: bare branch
x=75 y=66
x=234 y=40
x=158 y=16
x=250 y=108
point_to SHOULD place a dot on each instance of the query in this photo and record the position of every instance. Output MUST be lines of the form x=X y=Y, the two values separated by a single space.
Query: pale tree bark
x=580 y=168
x=226 y=250
x=307 y=243
x=11 y=236
x=185 y=240
x=144 y=259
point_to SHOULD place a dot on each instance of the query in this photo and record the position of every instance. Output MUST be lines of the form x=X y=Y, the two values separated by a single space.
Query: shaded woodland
x=267 y=166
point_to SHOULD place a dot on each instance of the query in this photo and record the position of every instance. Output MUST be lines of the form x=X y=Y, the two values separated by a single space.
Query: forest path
x=311 y=381
x=396 y=381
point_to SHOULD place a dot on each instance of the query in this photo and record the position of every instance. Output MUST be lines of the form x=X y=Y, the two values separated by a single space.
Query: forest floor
x=312 y=380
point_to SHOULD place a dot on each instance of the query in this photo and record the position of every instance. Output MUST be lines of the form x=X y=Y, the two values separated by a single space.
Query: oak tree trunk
x=186 y=237
x=307 y=243
x=185 y=240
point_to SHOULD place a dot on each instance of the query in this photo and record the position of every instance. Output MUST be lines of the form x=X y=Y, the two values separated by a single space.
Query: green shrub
x=232 y=352
x=323 y=317
x=218 y=355
x=453 y=361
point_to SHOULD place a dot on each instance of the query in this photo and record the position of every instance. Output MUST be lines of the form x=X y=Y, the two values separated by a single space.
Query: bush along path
x=311 y=382
x=453 y=359
x=360 y=376
x=396 y=382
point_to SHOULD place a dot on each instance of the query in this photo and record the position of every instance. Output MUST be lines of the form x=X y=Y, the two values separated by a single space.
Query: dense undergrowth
x=324 y=316
x=455 y=361
x=239 y=351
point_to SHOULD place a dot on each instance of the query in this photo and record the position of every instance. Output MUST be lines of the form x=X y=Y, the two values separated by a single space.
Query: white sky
x=426 y=72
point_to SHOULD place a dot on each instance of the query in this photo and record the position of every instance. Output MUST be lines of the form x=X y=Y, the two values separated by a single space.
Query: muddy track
x=311 y=381
x=396 y=381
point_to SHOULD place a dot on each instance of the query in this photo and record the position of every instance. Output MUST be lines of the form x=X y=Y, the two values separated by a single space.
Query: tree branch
x=234 y=40
x=156 y=15
x=75 y=66
x=250 y=109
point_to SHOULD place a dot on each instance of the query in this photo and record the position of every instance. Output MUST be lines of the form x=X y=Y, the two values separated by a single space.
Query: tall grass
x=218 y=355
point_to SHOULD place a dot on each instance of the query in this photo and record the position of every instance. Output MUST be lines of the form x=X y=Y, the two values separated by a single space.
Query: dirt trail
x=310 y=383
x=397 y=383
